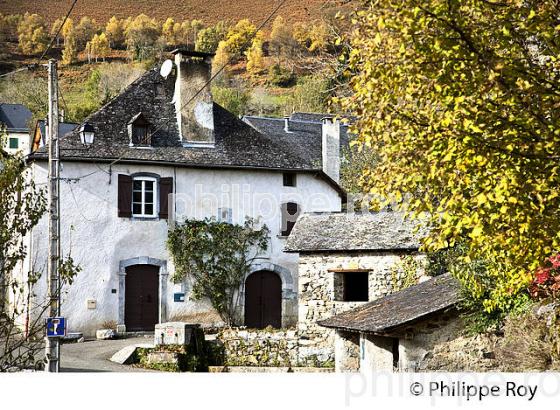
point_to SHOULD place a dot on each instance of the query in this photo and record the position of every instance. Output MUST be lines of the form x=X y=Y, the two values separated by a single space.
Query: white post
x=52 y=344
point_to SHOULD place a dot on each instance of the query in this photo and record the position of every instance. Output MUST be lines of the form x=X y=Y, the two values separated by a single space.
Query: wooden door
x=141 y=307
x=263 y=300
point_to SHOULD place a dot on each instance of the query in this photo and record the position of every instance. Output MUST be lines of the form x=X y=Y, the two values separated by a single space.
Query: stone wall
x=318 y=292
x=437 y=344
x=267 y=347
x=276 y=348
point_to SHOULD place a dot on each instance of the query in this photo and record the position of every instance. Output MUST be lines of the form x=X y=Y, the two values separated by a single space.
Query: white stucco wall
x=24 y=140
x=100 y=241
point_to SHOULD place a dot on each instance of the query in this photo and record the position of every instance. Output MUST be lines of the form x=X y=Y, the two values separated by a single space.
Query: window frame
x=288 y=177
x=10 y=139
x=143 y=202
x=342 y=282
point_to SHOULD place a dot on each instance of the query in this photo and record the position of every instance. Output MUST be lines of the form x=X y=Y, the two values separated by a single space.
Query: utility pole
x=53 y=344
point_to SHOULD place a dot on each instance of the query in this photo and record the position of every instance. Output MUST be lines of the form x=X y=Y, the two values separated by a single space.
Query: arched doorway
x=141 y=307
x=263 y=300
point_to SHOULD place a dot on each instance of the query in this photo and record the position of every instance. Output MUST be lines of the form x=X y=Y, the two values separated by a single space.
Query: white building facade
x=122 y=194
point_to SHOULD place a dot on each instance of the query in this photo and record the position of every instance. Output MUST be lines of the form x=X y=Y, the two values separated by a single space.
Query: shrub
x=531 y=342
x=234 y=100
x=280 y=76
x=546 y=279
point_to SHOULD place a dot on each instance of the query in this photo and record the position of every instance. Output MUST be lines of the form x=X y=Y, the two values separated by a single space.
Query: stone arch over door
x=162 y=292
x=289 y=294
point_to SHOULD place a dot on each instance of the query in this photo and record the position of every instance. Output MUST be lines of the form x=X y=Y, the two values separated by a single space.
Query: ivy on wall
x=217 y=256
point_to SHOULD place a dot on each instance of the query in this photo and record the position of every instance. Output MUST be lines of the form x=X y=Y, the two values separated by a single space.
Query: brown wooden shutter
x=125 y=196
x=165 y=189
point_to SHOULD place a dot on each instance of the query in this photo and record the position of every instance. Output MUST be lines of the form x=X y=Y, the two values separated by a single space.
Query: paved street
x=94 y=356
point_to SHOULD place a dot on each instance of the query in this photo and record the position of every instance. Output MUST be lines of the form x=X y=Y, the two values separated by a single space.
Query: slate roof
x=15 y=117
x=302 y=127
x=237 y=144
x=399 y=309
x=332 y=232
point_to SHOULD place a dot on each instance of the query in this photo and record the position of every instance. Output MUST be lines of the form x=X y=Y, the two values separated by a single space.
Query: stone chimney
x=331 y=148
x=195 y=112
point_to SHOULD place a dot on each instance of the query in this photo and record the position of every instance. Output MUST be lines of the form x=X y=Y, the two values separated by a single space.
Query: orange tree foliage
x=460 y=100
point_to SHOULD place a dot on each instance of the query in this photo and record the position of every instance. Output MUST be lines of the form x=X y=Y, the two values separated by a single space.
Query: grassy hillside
x=209 y=11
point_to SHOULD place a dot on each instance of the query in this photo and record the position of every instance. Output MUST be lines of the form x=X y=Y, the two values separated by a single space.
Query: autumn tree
x=168 y=32
x=114 y=30
x=84 y=31
x=56 y=31
x=459 y=100
x=98 y=47
x=238 y=38
x=32 y=34
x=142 y=36
x=70 y=52
x=9 y=26
x=255 y=55
x=282 y=42
x=68 y=30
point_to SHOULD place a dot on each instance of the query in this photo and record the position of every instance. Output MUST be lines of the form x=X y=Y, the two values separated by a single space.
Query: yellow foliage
x=463 y=124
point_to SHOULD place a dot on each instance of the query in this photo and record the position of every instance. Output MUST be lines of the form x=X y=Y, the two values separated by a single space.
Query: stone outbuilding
x=400 y=331
x=345 y=261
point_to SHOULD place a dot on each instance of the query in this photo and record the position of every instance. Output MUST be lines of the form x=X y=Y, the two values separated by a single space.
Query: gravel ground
x=94 y=356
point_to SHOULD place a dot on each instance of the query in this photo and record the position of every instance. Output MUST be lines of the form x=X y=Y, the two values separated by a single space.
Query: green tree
x=217 y=256
x=459 y=100
x=234 y=100
x=208 y=38
x=23 y=205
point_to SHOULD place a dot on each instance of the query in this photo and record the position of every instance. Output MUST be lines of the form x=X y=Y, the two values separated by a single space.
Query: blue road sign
x=56 y=327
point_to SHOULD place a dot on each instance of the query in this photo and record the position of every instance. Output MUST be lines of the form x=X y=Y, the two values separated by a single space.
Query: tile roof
x=331 y=232
x=238 y=143
x=402 y=308
x=15 y=117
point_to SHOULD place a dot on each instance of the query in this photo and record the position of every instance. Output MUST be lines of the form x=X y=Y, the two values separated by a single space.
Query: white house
x=15 y=118
x=161 y=137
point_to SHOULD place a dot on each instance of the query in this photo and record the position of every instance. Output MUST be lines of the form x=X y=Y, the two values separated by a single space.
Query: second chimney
x=193 y=99
x=331 y=148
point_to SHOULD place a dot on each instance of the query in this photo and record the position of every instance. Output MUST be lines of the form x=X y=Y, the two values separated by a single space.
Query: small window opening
x=353 y=286
x=290 y=179
x=139 y=131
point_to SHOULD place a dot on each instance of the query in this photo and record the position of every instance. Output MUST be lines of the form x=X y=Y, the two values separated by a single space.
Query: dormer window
x=139 y=131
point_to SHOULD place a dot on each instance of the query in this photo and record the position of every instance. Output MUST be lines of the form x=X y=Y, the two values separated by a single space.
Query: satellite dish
x=166 y=68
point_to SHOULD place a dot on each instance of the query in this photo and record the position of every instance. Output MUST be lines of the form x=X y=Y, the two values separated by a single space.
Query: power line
x=32 y=66
x=212 y=78
x=58 y=31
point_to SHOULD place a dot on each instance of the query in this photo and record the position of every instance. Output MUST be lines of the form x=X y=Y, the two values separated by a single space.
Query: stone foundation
x=269 y=348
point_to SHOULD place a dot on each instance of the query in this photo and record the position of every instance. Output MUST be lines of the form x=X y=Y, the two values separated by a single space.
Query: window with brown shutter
x=165 y=189
x=125 y=196
x=290 y=213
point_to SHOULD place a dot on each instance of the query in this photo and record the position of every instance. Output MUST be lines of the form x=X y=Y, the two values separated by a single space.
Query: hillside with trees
x=284 y=67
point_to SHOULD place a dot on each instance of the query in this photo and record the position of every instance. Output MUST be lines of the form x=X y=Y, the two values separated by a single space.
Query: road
x=94 y=356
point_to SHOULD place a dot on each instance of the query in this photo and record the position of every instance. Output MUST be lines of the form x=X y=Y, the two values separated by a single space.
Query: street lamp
x=87 y=133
